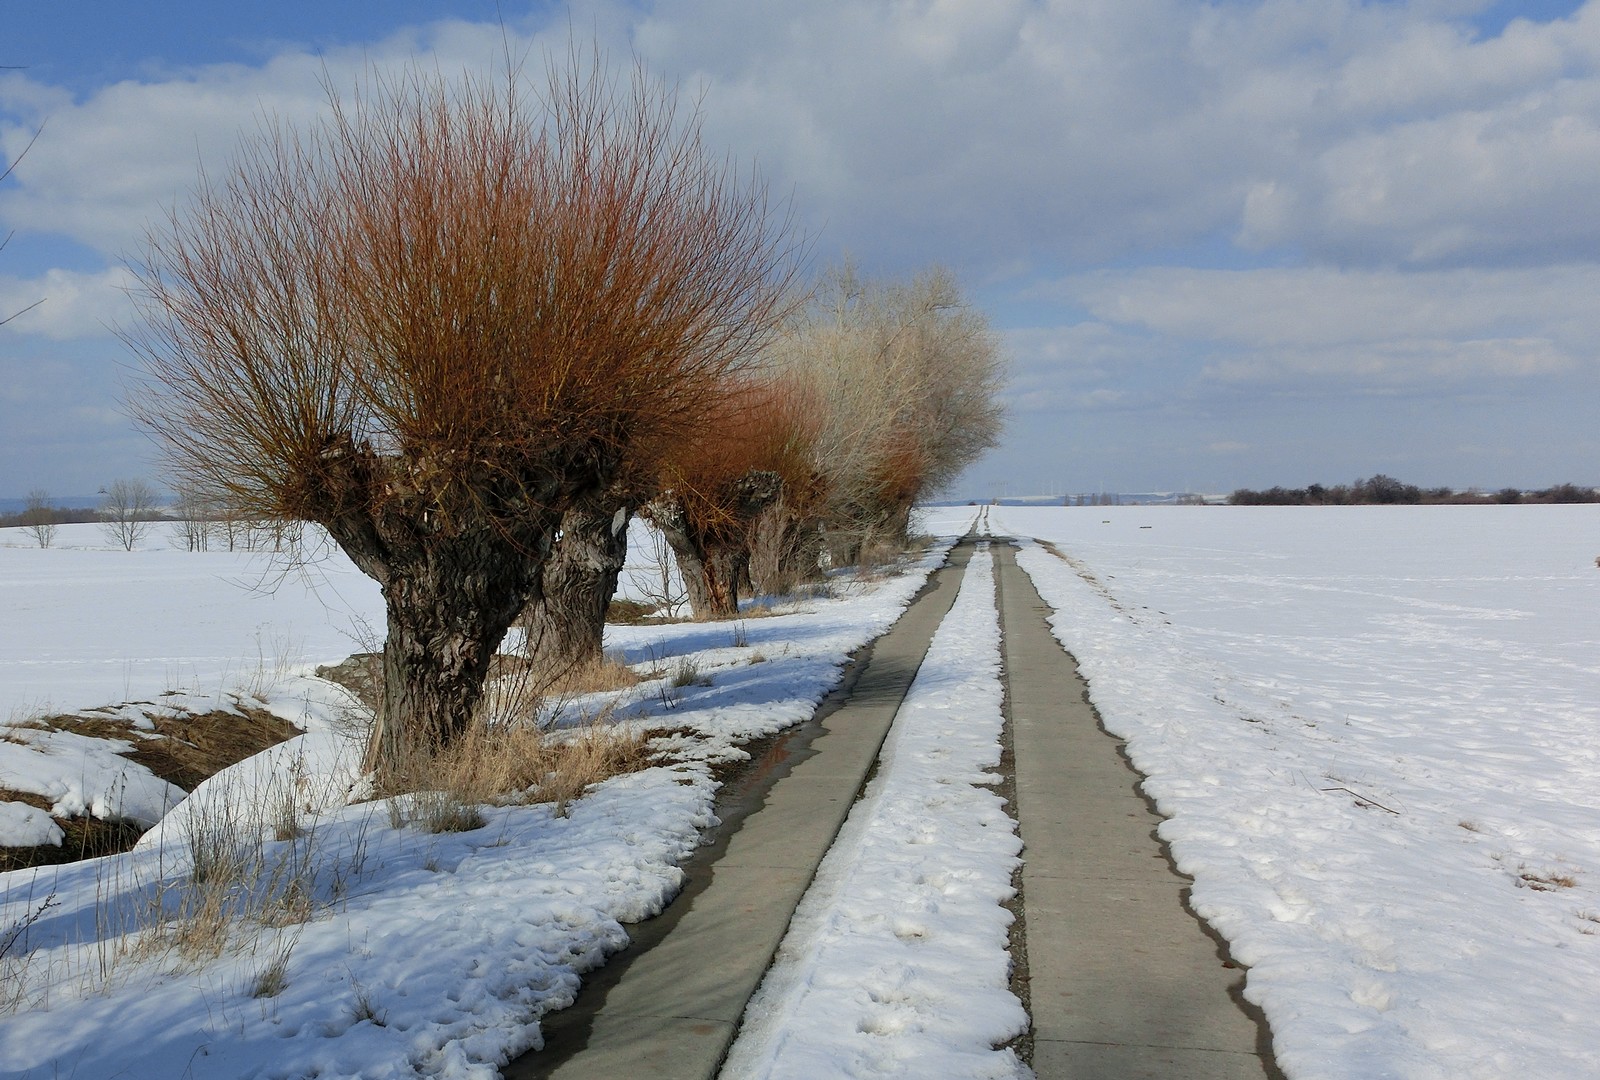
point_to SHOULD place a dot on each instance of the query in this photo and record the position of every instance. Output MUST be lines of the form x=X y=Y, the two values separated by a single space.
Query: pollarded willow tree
x=906 y=377
x=714 y=489
x=436 y=320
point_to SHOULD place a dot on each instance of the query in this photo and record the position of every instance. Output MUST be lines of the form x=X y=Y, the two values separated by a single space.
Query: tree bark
x=786 y=550
x=455 y=574
x=671 y=520
x=447 y=614
x=565 y=626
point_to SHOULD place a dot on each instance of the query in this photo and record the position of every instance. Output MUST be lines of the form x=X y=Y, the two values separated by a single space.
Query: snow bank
x=82 y=777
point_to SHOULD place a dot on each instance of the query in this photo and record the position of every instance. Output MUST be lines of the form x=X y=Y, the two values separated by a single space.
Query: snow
x=401 y=953
x=86 y=626
x=22 y=825
x=895 y=963
x=82 y=776
x=1376 y=736
x=1374 y=733
x=162 y=630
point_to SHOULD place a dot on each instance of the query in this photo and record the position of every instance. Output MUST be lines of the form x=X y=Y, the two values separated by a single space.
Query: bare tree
x=907 y=376
x=194 y=516
x=439 y=319
x=657 y=579
x=715 y=488
x=128 y=511
x=5 y=172
x=39 y=517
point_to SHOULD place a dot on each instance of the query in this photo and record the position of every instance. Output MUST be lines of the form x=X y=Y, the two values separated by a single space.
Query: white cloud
x=108 y=166
x=1395 y=364
x=1318 y=306
x=978 y=132
x=64 y=305
x=1312 y=329
x=1422 y=196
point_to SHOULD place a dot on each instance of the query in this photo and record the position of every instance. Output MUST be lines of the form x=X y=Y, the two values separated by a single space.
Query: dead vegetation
x=633 y=613
x=182 y=748
x=1545 y=880
x=505 y=764
x=186 y=748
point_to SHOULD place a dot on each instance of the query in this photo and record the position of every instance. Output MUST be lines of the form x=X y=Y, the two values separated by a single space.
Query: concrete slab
x=1093 y=1061
x=671 y=1010
x=664 y=1048
x=1124 y=981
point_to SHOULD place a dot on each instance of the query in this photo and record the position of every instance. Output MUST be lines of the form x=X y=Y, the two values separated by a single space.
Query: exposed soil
x=181 y=749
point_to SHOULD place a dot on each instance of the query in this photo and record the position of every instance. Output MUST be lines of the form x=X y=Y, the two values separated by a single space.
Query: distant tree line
x=1386 y=490
x=48 y=515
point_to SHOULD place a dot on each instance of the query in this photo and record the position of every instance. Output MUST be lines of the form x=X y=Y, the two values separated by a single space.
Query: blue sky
x=1238 y=243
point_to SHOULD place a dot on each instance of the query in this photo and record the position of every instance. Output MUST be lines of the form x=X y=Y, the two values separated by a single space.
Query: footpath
x=1124 y=981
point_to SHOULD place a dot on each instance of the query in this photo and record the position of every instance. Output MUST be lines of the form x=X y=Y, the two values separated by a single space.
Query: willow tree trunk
x=453 y=582
x=447 y=615
x=711 y=574
x=785 y=551
x=715 y=561
x=565 y=627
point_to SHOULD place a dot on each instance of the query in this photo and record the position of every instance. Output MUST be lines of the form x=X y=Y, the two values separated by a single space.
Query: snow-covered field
x=87 y=626
x=1376 y=731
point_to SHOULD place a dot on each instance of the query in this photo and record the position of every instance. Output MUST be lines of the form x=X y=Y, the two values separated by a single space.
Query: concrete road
x=670 y=1010
x=1125 y=983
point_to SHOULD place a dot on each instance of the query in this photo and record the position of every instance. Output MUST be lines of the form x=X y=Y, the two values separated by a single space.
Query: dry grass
x=632 y=612
x=182 y=749
x=240 y=896
x=1546 y=880
x=500 y=764
x=603 y=675
x=187 y=748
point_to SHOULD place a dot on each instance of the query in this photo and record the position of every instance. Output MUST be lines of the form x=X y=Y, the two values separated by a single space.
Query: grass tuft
x=501 y=764
x=631 y=612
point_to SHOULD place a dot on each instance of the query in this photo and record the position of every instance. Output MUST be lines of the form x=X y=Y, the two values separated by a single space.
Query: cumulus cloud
x=1362 y=133
x=1410 y=195
x=1314 y=306
x=108 y=166
x=1392 y=365
x=65 y=305
x=1083 y=367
